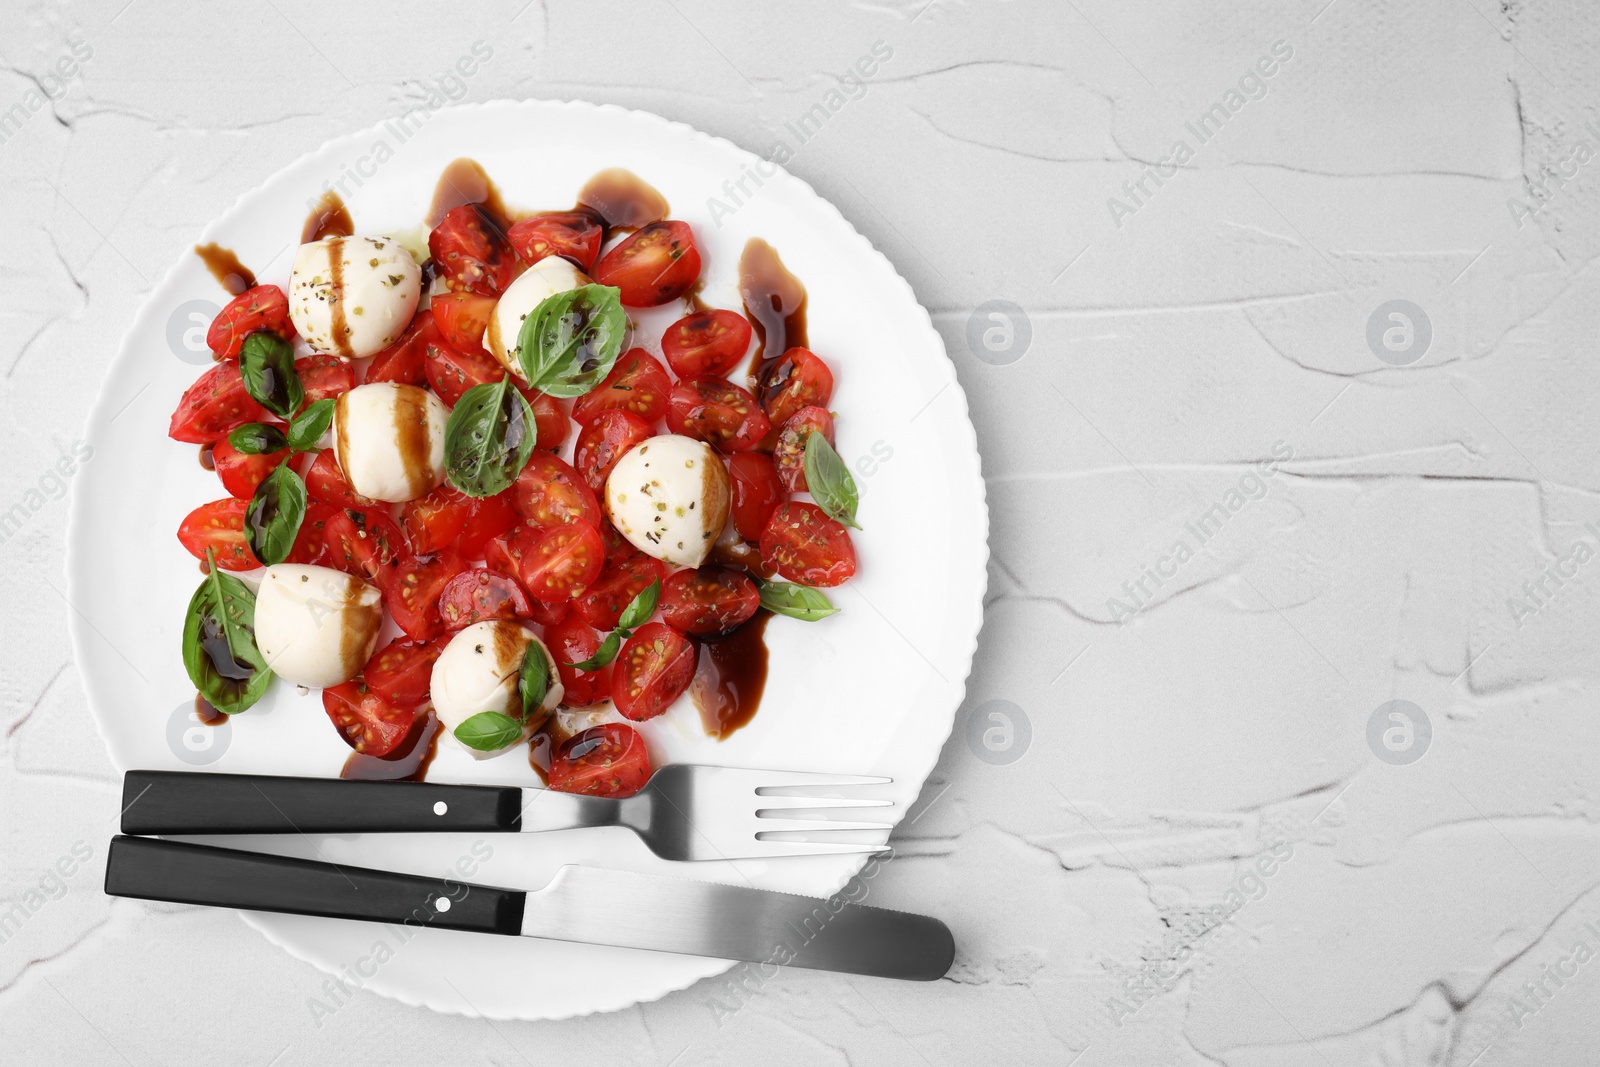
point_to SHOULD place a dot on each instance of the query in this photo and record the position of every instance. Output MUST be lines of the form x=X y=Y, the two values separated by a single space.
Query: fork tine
x=812 y=780
x=790 y=803
x=811 y=826
x=814 y=848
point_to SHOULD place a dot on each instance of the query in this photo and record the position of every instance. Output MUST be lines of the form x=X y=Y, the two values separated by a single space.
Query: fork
x=685 y=812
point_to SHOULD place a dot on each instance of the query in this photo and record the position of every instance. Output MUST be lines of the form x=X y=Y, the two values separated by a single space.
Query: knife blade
x=584 y=904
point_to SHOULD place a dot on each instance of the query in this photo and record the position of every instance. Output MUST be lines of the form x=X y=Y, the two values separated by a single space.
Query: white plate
x=871 y=690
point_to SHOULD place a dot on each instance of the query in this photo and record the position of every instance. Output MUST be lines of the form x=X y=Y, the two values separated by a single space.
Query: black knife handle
x=187 y=873
x=195 y=802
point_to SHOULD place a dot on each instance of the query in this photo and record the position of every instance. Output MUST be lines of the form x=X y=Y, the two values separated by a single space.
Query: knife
x=585 y=904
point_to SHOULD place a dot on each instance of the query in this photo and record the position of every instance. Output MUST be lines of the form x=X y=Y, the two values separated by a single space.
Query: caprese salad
x=391 y=430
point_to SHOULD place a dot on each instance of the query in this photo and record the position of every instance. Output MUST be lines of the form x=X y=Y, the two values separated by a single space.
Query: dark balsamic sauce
x=329 y=218
x=208 y=715
x=729 y=676
x=623 y=200
x=775 y=303
x=225 y=267
x=207 y=460
x=408 y=763
x=464 y=181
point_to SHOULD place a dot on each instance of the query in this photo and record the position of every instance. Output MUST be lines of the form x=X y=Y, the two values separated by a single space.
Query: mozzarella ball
x=669 y=497
x=544 y=279
x=316 y=626
x=389 y=440
x=479 y=671
x=353 y=296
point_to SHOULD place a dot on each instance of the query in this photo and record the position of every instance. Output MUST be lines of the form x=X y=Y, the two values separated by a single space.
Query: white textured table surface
x=1237 y=509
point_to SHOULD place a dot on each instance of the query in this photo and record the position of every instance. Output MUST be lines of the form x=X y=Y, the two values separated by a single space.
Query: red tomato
x=326 y=482
x=490 y=517
x=503 y=552
x=471 y=253
x=652 y=670
x=548 y=415
x=549 y=492
x=617 y=546
x=789 y=454
x=402 y=671
x=366 y=544
x=808 y=547
x=573 y=235
x=709 y=601
x=478 y=595
x=602 y=604
x=573 y=641
x=262 y=308
x=368 y=723
x=716 y=412
x=461 y=318
x=412 y=595
x=756 y=491
x=219 y=526
x=240 y=473
x=608 y=760
x=604 y=441
x=311 y=541
x=434 y=519
x=213 y=405
x=452 y=371
x=706 y=343
x=637 y=383
x=656 y=264
x=325 y=376
x=562 y=561
x=798 y=379
x=402 y=361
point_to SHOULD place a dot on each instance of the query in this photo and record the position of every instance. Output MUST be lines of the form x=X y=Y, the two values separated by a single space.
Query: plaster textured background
x=1195 y=739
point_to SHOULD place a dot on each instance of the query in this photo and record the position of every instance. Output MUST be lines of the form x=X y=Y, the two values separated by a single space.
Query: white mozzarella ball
x=389 y=440
x=316 y=626
x=479 y=671
x=353 y=296
x=669 y=497
x=544 y=279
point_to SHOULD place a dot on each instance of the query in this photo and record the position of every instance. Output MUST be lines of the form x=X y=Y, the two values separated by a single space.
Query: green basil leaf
x=219 y=642
x=569 y=343
x=640 y=608
x=272 y=521
x=829 y=482
x=257 y=438
x=604 y=654
x=533 y=685
x=796 y=601
x=305 y=432
x=488 y=731
x=267 y=363
x=488 y=438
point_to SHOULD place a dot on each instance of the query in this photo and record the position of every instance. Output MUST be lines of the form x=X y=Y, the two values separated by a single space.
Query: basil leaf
x=488 y=438
x=305 y=432
x=257 y=438
x=534 y=683
x=568 y=344
x=829 y=482
x=219 y=642
x=640 y=608
x=796 y=601
x=488 y=731
x=603 y=655
x=267 y=363
x=272 y=521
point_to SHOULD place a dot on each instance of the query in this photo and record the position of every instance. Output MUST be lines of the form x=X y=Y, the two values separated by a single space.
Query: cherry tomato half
x=241 y=474
x=461 y=318
x=797 y=379
x=709 y=601
x=655 y=264
x=478 y=595
x=471 y=253
x=326 y=482
x=808 y=547
x=706 y=343
x=549 y=492
x=368 y=723
x=562 y=561
x=604 y=441
x=434 y=519
x=573 y=235
x=215 y=404
x=324 y=376
x=402 y=361
x=637 y=383
x=789 y=454
x=491 y=516
x=366 y=544
x=262 y=308
x=412 y=595
x=756 y=491
x=608 y=760
x=652 y=670
x=451 y=371
x=549 y=416
x=310 y=541
x=572 y=641
x=717 y=412
x=401 y=672
x=603 y=603
x=219 y=526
